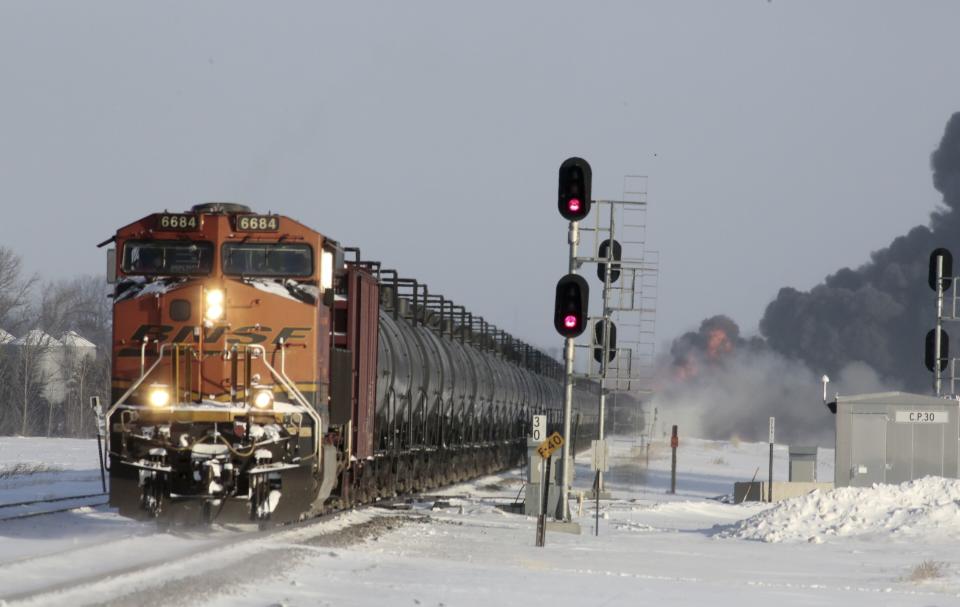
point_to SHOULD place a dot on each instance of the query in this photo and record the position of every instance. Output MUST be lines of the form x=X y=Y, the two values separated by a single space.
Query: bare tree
x=8 y=394
x=42 y=379
x=77 y=304
x=78 y=365
x=15 y=290
x=36 y=369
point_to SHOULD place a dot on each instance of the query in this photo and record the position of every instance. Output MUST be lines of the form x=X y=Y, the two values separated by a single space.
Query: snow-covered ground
x=881 y=546
x=32 y=468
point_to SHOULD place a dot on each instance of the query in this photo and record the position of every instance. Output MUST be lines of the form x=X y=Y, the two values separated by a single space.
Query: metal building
x=894 y=437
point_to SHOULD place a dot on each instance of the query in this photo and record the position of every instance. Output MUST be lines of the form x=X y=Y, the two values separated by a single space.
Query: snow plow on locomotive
x=262 y=372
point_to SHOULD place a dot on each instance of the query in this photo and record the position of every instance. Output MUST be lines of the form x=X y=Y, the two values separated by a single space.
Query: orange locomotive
x=258 y=375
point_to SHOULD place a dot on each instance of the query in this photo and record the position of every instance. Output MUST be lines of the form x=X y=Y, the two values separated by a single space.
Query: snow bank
x=928 y=508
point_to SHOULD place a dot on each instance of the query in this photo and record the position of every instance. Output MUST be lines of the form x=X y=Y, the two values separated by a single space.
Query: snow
x=927 y=509
x=58 y=467
x=692 y=548
x=36 y=337
x=138 y=286
x=282 y=288
x=73 y=339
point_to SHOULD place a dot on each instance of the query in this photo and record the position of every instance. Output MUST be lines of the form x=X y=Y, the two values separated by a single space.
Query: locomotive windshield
x=267 y=259
x=167 y=257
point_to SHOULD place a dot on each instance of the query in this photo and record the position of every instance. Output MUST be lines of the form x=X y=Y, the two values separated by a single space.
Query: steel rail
x=52 y=499
x=25 y=515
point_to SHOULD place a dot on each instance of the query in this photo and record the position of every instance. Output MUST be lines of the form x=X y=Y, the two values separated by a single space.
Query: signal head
x=613 y=252
x=570 y=308
x=573 y=194
x=599 y=328
x=946 y=278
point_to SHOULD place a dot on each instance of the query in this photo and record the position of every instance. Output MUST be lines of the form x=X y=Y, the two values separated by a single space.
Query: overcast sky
x=782 y=139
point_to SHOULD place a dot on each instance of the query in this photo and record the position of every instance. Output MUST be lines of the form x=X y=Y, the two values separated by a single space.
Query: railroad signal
x=570 y=309
x=613 y=253
x=946 y=273
x=598 y=331
x=573 y=196
x=932 y=357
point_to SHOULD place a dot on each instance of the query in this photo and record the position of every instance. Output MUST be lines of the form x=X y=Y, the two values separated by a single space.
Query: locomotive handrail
x=291 y=388
x=130 y=390
x=143 y=353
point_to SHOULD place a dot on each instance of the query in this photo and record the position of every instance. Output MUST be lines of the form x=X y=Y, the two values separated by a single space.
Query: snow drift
x=927 y=509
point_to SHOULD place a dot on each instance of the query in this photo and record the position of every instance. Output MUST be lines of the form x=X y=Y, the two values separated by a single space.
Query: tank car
x=263 y=372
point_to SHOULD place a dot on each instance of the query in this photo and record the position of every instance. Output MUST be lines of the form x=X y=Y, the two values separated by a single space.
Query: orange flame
x=718 y=344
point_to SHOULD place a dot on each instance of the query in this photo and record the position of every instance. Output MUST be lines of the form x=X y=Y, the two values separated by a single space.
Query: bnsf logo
x=257 y=334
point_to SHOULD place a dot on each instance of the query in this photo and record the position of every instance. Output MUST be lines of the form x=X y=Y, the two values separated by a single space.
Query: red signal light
x=570 y=306
x=573 y=191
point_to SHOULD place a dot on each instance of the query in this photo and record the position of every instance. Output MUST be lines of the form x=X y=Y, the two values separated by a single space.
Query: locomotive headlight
x=158 y=396
x=214 y=301
x=263 y=398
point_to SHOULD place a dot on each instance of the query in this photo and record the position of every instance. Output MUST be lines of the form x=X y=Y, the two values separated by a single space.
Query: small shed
x=894 y=437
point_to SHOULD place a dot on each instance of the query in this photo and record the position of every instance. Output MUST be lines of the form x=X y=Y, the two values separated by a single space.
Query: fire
x=718 y=344
x=697 y=352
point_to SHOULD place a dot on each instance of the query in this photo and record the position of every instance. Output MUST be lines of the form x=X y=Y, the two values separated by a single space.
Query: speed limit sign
x=539 y=431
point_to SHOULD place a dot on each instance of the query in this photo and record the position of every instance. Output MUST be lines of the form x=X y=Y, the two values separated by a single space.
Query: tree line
x=48 y=371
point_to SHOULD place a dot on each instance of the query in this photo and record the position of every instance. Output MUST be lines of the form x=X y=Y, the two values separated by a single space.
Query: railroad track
x=77 y=584
x=33 y=508
x=165 y=567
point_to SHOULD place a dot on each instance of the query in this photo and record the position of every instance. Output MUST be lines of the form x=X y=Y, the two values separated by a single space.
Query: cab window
x=167 y=257
x=267 y=259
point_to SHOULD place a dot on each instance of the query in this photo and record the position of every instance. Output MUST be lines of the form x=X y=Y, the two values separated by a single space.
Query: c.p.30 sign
x=922 y=417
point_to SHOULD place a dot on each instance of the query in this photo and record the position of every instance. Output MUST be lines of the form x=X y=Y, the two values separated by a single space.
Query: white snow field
x=888 y=545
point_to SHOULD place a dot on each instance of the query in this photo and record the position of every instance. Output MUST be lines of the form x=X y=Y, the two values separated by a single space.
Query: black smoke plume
x=863 y=327
x=880 y=312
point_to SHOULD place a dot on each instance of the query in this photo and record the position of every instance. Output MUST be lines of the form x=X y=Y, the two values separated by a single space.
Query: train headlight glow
x=158 y=396
x=326 y=270
x=263 y=398
x=214 y=307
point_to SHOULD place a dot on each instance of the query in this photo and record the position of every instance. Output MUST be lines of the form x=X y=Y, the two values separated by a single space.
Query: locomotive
x=263 y=372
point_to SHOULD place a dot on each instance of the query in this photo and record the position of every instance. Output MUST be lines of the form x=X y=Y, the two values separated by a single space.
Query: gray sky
x=783 y=139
